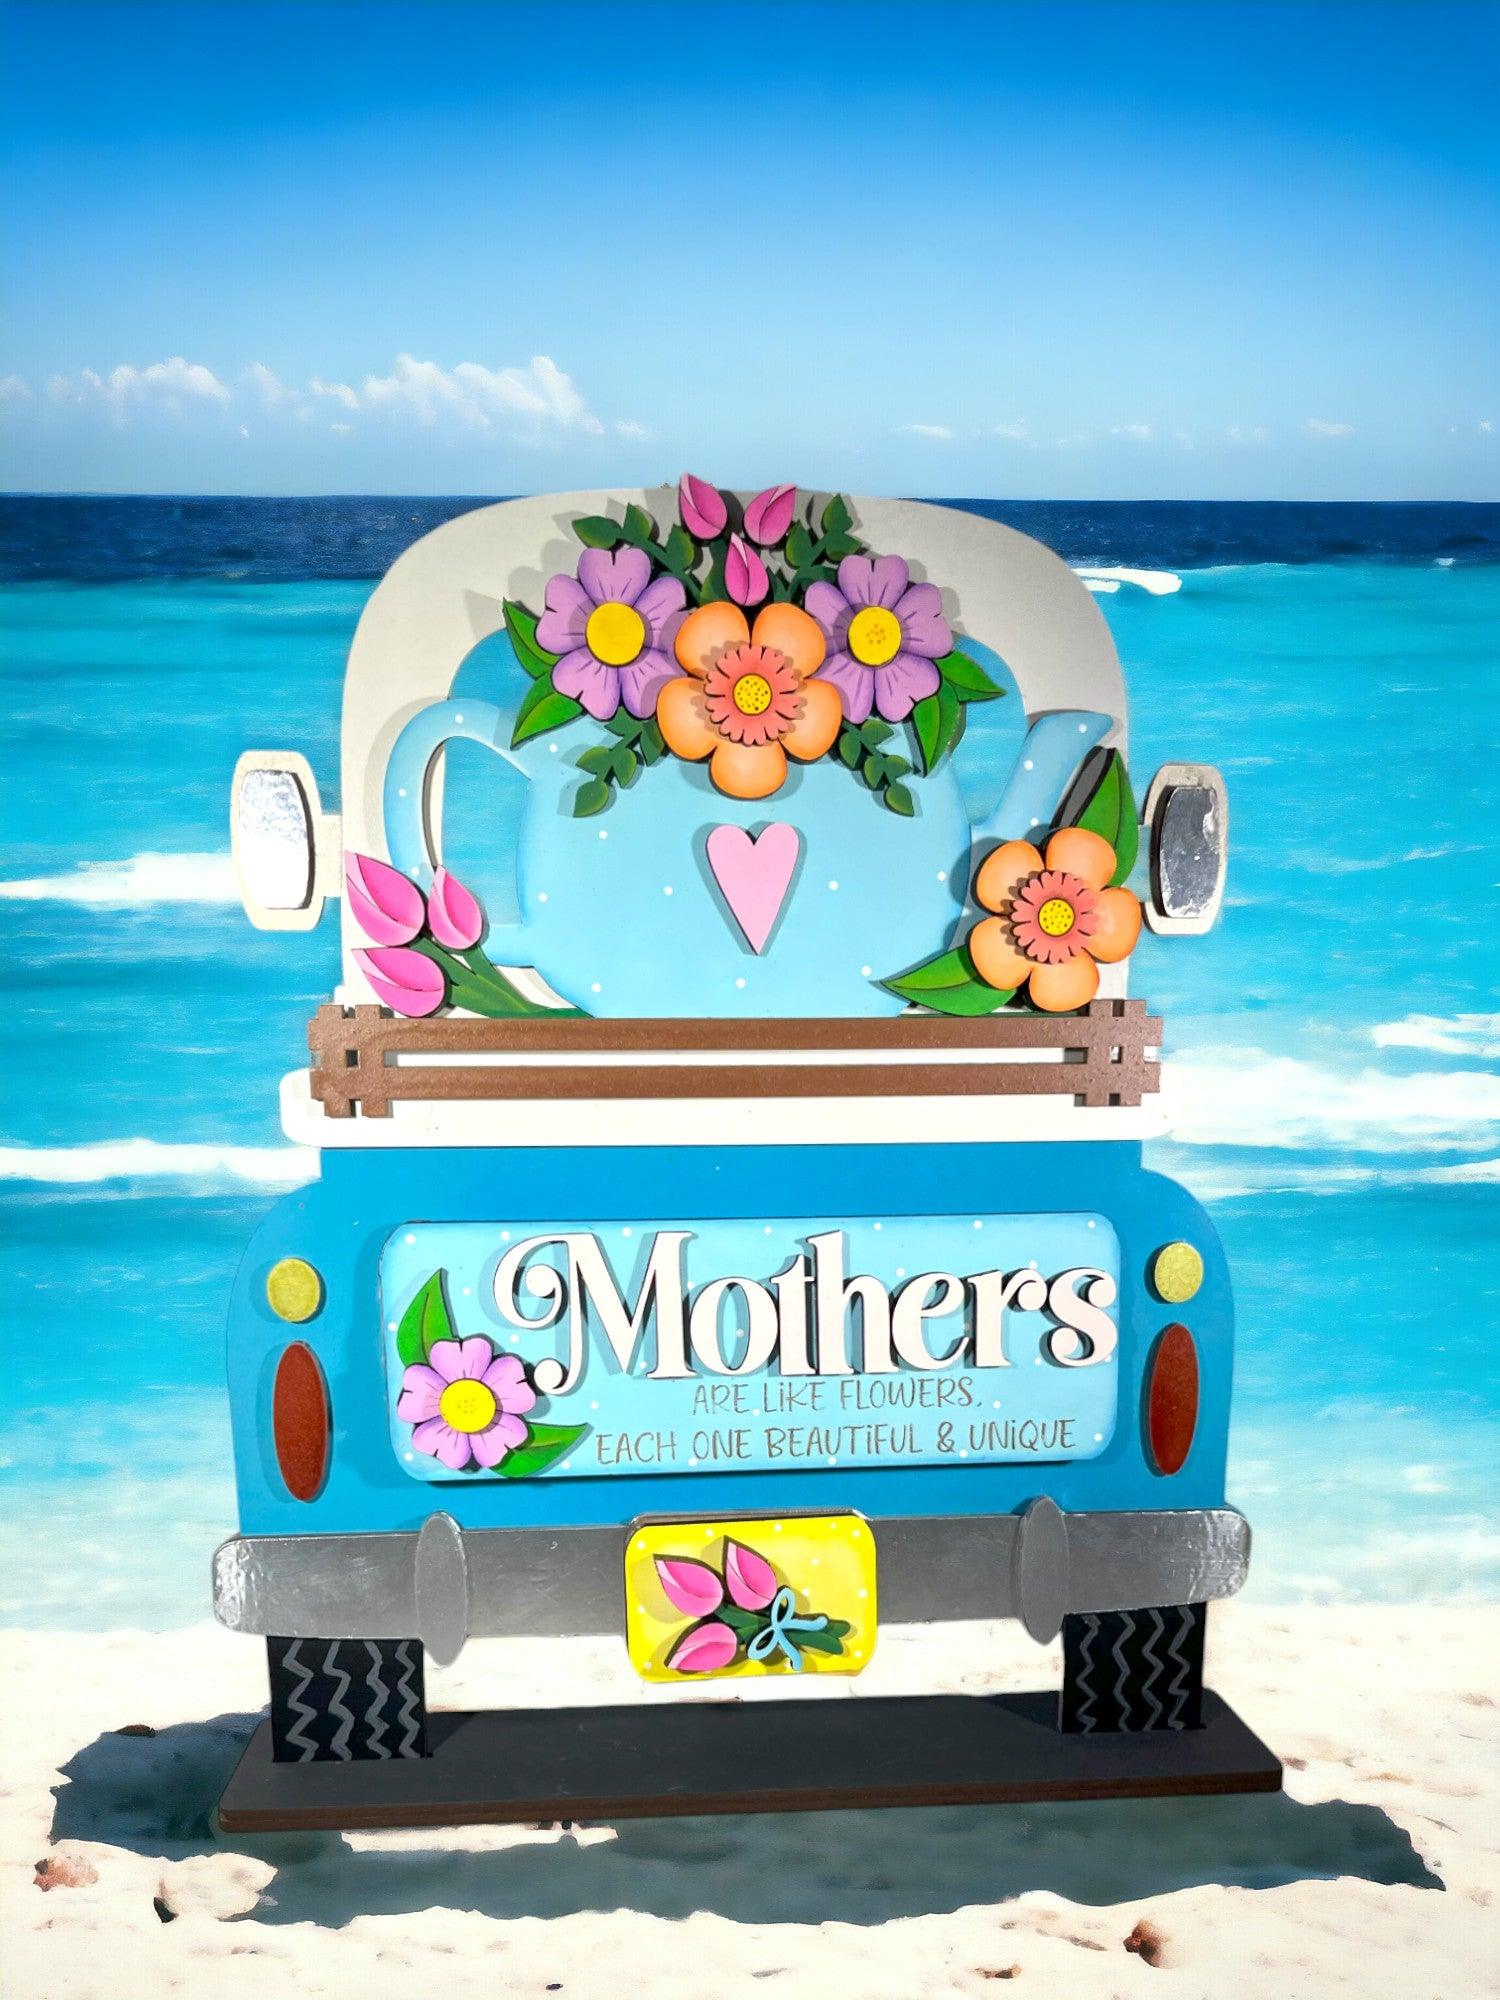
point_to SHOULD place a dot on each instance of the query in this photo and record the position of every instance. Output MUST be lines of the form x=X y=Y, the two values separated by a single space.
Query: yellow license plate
x=730 y=1599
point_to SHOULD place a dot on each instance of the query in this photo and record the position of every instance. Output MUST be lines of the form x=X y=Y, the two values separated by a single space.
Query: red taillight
x=299 y=1421
x=1172 y=1398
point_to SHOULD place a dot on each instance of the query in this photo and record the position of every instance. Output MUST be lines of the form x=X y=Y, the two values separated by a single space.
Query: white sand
x=1376 y=1874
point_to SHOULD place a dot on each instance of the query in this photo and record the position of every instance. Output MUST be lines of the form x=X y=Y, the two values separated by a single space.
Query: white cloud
x=339 y=392
x=173 y=386
x=527 y=401
x=942 y=431
x=1017 y=433
x=14 y=389
x=244 y=430
x=342 y=430
x=1442 y=1035
x=629 y=428
x=267 y=384
x=1247 y=434
x=1321 y=427
x=1245 y=1097
x=1137 y=433
x=1484 y=424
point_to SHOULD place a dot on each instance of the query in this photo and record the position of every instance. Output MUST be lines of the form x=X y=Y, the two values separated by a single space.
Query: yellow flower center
x=874 y=635
x=752 y=694
x=1056 y=916
x=616 y=633
x=467 y=1406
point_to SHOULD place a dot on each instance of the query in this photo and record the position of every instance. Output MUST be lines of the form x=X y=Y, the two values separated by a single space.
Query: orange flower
x=748 y=697
x=1055 y=919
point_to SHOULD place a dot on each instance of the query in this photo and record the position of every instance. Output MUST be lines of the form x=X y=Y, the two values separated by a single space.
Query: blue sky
x=1052 y=250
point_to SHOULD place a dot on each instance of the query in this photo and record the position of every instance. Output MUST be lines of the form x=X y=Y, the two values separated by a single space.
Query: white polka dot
x=942 y=874
x=739 y=982
x=978 y=1225
x=390 y=1326
x=1098 y=1437
x=666 y=889
x=401 y=791
x=407 y=1456
x=604 y=833
x=1092 y=1224
x=416 y=873
x=641 y=1545
x=411 y=1239
x=692 y=1461
x=1034 y=820
x=458 y=718
x=505 y=1236
x=996 y=1404
x=816 y=1560
x=542 y=896
x=832 y=1460
x=865 y=971
x=768 y=1229
x=864 y=1593
x=596 y=987
x=627 y=1230
x=468 y=1291
x=553 y=747
x=833 y=885
x=1039 y=1361
x=877 y=1225
x=1083 y=729
x=963 y=1454
x=1028 y=765
x=900 y=1270
x=777 y=1527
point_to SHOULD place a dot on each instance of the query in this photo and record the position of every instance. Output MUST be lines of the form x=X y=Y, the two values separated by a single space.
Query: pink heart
x=754 y=874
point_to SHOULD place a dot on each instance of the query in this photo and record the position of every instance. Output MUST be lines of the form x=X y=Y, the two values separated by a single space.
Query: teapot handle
x=411 y=837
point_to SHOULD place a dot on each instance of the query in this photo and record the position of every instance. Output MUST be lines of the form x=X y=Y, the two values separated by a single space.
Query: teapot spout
x=1055 y=746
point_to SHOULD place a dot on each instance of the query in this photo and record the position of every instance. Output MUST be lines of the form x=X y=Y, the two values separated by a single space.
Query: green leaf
x=680 y=549
x=799 y=545
x=592 y=798
x=898 y=799
x=520 y=624
x=626 y=767
x=874 y=732
x=1111 y=812
x=596 y=760
x=543 y=709
x=836 y=517
x=639 y=526
x=949 y=985
x=850 y=747
x=925 y=720
x=424 y=1321
x=597 y=531
x=939 y=724
x=837 y=546
x=826 y=1641
x=624 y=725
x=896 y=767
x=873 y=770
x=968 y=677
x=745 y=1623
x=546 y=1443
x=649 y=743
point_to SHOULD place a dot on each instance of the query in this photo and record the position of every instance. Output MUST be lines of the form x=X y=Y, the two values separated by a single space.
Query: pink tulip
x=386 y=905
x=703 y=1649
x=769 y=515
x=404 y=979
x=751 y=1579
x=744 y=573
x=692 y=1586
x=453 y=913
x=701 y=506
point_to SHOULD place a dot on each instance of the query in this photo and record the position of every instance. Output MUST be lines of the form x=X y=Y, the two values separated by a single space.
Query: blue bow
x=775 y=1635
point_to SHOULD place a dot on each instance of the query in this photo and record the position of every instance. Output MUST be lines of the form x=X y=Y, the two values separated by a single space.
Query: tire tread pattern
x=1133 y=1670
x=346 y=1700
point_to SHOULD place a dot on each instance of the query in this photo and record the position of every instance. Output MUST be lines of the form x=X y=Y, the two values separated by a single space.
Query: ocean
x=1333 y=1047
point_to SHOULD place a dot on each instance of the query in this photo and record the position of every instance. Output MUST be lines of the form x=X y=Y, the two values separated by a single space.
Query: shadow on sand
x=157 y=1795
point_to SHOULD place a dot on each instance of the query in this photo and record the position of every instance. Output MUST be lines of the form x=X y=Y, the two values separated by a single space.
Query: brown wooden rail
x=1104 y=1058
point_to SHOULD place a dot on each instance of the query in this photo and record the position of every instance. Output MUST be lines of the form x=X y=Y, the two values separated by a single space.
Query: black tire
x=346 y=1700
x=1133 y=1670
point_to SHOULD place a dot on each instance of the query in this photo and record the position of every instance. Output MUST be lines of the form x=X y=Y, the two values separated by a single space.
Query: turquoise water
x=1335 y=1080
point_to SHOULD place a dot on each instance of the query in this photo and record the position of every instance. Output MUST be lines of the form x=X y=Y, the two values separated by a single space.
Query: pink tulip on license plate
x=732 y=1599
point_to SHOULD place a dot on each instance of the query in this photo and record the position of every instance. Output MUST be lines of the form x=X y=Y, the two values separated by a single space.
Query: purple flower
x=613 y=628
x=453 y=913
x=466 y=1403
x=884 y=633
x=701 y=507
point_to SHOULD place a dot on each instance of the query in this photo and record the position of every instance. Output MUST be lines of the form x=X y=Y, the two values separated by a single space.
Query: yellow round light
x=1056 y=916
x=874 y=635
x=752 y=694
x=467 y=1405
x=1176 y=1273
x=294 y=1289
x=615 y=634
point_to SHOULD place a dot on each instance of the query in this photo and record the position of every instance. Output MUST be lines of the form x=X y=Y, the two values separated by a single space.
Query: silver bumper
x=447 y=1584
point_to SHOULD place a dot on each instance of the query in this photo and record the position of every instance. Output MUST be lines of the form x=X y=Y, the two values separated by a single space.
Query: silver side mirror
x=1187 y=827
x=285 y=847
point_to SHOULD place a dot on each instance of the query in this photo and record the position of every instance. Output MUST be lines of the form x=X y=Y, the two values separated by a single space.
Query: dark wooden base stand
x=506 y=1765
